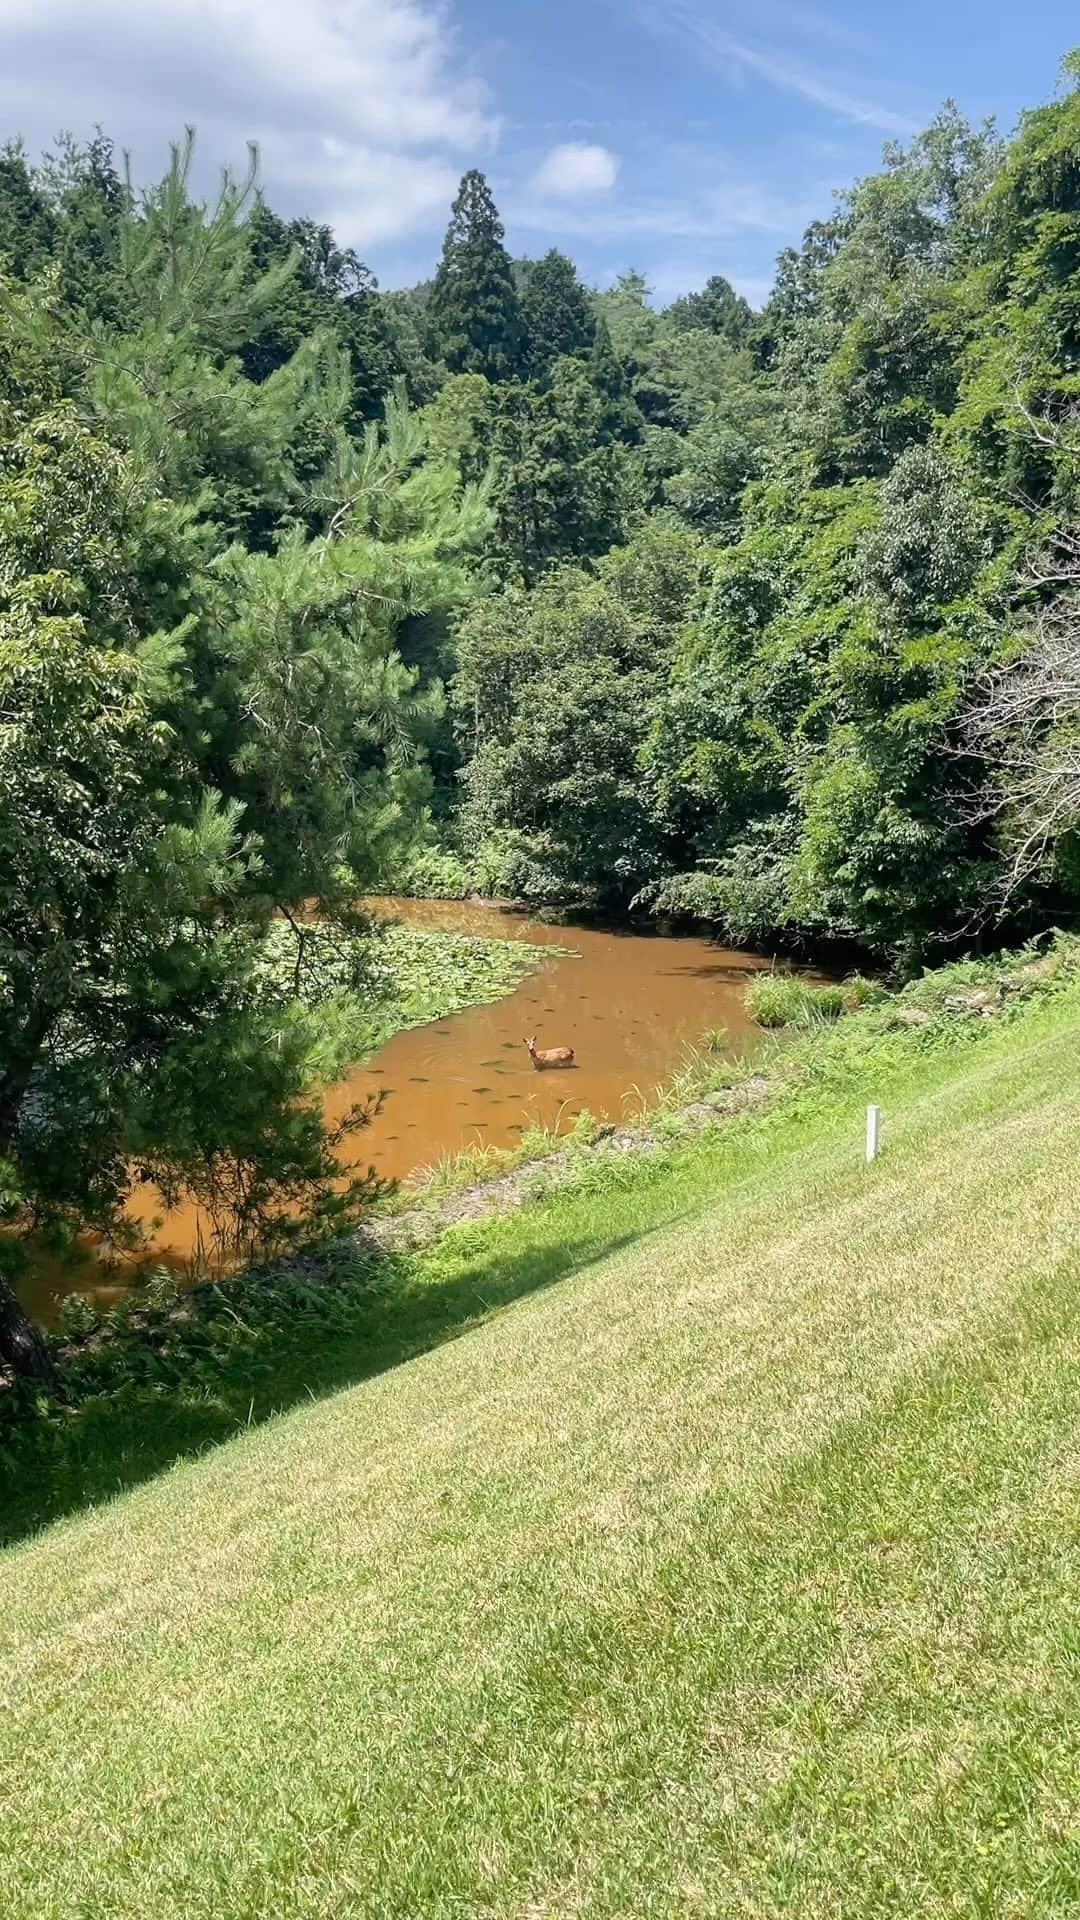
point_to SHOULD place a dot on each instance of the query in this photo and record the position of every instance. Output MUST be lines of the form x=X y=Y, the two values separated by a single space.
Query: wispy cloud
x=823 y=92
x=719 y=212
x=766 y=42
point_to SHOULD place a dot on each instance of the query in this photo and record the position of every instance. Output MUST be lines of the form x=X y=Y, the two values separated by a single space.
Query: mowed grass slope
x=737 y=1573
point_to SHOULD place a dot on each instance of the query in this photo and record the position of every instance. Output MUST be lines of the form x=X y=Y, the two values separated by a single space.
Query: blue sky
x=685 y=137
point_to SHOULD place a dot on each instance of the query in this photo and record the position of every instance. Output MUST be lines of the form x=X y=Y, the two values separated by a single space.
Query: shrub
x=437 y=873
x=783 y=1000
x=859 y=992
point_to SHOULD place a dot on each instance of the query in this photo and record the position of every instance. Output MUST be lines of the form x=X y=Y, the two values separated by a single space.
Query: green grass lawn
x=732 y=1569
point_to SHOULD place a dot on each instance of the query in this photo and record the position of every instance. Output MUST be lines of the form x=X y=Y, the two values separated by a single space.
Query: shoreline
x=170 y=1373
x=707 y=1096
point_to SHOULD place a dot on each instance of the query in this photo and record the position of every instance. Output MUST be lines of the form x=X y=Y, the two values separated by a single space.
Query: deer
x=542 y=1057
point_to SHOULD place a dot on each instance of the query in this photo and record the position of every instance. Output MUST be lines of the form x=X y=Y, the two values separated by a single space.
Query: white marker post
x=873 y=1132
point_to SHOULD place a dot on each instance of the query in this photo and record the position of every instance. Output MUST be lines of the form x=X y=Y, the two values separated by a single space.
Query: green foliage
x=630 y=321
x=768 y=619
x=328 y=289
x=204 y=717
x=729 y=416
x=717 y=308
x=560 y=488
x=401 y=315
x=459 y=423
x=868 y=323
x=89 y=201
x=27 y=223
x=812 y=747
x=472 y=311
x=929 y=541
x=551 y=700
x=136 y=1030
x=784 y=1000
x=556 y=314
x=798 y=758
x=437 y=873
x=620 y=418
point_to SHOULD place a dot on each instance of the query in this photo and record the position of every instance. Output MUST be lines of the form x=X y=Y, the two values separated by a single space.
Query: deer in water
x=542 y=1057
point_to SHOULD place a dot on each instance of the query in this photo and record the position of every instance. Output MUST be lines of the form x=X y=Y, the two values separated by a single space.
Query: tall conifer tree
x=557 y=314
x=27 y=224
x=620 y=417
x=473 y=311
x=717 y=308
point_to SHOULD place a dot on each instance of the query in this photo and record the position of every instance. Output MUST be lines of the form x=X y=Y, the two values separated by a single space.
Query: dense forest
x=771 y=619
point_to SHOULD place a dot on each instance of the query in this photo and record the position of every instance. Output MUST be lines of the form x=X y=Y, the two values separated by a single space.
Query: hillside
x=733 y=1574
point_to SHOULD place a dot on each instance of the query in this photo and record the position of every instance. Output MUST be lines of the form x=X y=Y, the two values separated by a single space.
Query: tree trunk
x=21 y=1054
x=22 y=1343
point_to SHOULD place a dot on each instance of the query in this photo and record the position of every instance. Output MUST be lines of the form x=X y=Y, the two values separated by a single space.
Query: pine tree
x=716 y=309
x=203 y=717
x=473 y=312
x=27 y=224
x=556 y=313
x=561 y=486
x=330 y=288
x=91 y=201
x=620 y=418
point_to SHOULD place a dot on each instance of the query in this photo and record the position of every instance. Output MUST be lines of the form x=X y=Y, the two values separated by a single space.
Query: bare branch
x=1025 y=726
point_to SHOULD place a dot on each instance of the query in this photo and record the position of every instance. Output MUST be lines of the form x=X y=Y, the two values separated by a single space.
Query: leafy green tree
x=553 y=710
x=692 y=371
x=473 y=315
x=631 y=323
x=559 y=487
x=717 y=308
x=1019 y=369
x=867 y=324
x=552 y=698
x=89 y=200
x=712 y=417
x=402 y=315
x=27 y=222
x=719 y=457
x=459 y=423
x=328 y=288
x=620 y=417
x=197 y=732
x=557 y=315
x=802 y=750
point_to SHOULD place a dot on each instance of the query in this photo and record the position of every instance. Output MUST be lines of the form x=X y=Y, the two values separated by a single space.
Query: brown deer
x=542 y=1057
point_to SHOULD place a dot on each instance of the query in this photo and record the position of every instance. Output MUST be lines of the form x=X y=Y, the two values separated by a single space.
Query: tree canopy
x=768 y=618
x=473 y=312
x=205 y=718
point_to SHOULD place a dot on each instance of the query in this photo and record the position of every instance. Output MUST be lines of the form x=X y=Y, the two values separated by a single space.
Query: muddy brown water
x=631 y=1004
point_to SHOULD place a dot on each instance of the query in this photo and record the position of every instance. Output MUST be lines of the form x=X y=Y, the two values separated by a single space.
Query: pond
x=631 y=1004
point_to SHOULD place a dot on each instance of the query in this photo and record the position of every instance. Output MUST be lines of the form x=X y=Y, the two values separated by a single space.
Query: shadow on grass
x=189 y=1375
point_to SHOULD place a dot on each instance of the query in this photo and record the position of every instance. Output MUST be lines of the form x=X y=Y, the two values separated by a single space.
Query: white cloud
x=577 y=168
x=363 y=105
x=367 y=194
